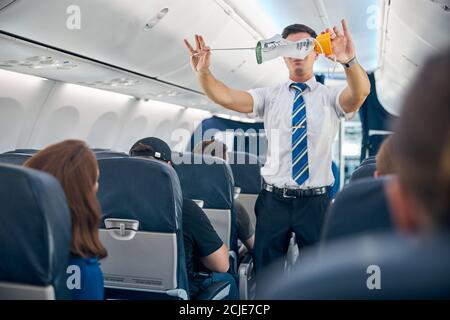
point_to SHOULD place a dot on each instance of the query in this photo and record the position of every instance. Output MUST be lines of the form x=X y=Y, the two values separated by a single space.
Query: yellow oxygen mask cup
x=277 y=46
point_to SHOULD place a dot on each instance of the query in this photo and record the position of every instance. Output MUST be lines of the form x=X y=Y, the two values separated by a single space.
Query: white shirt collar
x=311 y=83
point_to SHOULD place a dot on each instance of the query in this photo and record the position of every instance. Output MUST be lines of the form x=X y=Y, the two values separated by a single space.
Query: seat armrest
x=233 y=258
x=246 y=277
x=246 y=258
x=216 y=291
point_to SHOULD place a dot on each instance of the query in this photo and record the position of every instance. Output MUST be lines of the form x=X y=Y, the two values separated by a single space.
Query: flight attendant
x=301 y=118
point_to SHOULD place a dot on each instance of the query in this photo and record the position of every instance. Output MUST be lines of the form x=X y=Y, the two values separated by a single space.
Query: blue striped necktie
x=300 y=167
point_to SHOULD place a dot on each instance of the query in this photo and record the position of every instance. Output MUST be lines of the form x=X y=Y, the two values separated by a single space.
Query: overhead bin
x=21 y=56
x=114 y=31
x=414 y=30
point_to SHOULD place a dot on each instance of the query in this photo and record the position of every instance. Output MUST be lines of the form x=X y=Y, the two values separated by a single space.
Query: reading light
x=156 y=19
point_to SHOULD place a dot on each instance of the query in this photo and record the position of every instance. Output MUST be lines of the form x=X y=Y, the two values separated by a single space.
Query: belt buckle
x=286 y=196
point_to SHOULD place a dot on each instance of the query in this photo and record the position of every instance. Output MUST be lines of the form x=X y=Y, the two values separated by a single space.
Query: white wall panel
x=10 y=114
x=21 y=100
x=86 y=107
x=159 y=120
x=61 y=124
x=35 y=113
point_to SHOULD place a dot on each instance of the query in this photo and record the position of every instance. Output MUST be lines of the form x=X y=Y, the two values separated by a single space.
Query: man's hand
x=201 y=56
x=342 y=44
x=236 y=100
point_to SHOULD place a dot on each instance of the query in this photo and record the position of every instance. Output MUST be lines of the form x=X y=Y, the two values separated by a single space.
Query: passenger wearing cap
x=245 y=228
x=206 y=255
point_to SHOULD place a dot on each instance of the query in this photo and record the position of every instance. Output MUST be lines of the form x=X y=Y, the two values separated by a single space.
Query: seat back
x=26 y=151
x=14 y=158
x=381 y=266
x=364 y=171
x=368 y=160
x=360 y=207
x=247 y=176
x=106 y=154
x=141 y=202
x=210 y=179
x=35 y=235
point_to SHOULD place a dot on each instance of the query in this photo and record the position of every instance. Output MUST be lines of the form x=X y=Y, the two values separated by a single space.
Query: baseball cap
x=152 y=147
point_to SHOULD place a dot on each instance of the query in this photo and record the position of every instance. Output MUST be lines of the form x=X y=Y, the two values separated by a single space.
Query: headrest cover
x=206 y=178
x=246 y=172
x=110 y=154
x=14 y=158
x=404 y=268
x=35 y=227
x=26 y=151
x=360 y=207
x=364 y=171
x=141 y=189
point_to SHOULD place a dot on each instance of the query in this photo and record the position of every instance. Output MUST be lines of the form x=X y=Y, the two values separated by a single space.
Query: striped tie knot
x=299 y=86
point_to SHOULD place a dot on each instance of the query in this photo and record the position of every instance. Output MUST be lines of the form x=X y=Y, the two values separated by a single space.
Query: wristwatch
x=350 y=63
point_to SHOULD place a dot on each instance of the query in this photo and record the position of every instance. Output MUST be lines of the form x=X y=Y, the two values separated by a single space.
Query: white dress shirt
x=323 y=113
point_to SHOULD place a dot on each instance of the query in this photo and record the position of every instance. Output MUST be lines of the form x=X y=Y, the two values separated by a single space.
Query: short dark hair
x=141 y=149
x=209 y=147
x=385 y=164
x=297 y=28
x=422 y=140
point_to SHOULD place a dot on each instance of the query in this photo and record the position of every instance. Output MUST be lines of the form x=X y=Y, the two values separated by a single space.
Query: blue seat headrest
x=206 y=178
x=14 y=158
x=35 y=228
x=246 y=172
x=364 y=171
x=369 y=160
x=106 y=154
x=26 y=151
x=408 y=268
x=99 y=150
x=360 y=207
x=141 y=189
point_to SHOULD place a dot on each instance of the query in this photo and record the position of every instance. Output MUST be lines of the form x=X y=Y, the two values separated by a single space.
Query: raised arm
x=236 y=100
x=358 y=84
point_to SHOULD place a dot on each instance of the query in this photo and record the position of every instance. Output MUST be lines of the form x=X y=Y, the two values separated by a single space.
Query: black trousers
x=277 y=218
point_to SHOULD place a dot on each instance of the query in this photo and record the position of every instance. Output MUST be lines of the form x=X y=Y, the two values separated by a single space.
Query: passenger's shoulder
x=190 y=208
x=83 y=262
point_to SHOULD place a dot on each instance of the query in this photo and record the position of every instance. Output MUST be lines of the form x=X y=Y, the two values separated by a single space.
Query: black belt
x=294 y=193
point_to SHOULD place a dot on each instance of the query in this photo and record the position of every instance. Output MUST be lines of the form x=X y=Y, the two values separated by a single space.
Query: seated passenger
x=245 y=228
x=207 y=259
x=75 y=166
x=384 y=159
x=420 y=196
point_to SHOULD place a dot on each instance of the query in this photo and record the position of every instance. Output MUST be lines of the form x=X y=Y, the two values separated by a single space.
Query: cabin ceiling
x=414 y=31
x=114 y=32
